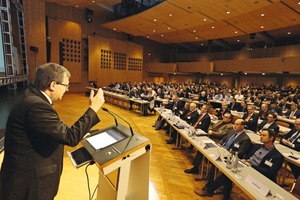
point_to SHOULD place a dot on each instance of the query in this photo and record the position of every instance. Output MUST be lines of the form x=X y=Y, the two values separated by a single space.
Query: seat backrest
x=296 y=187
x=284 y=124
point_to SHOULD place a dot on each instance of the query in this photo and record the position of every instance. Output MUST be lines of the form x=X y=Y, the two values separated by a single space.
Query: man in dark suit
x=235 y=139
x=191 y=116
x=250 y=118
x=292 y=140
x=224 y=109
x=270 y=123
x=204 y=120
x=264 y=158
x=134 y=93
x=35 y=137
x=294 y=112
x=233 y=105
x=275 y=108
x=263 y=113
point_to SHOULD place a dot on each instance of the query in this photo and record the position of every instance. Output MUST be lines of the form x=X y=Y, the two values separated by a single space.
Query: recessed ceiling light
x=76 y=6
x=227 y=12
x=235 y=32
x=93 y=1
x=221 y=74
x=212 y=27
x=289 y=33
x=262 y=27
x=204 y=19
x=201 y=44
x=147 y=36
x=196 y=38
x=299 y=3
x=245 y=73
x=194 y=31
x=238 y=40
x=154 y=20
x=162 y=35
x=170 y=15
x=262 y=14
x=149 y=54
x=115 y=29
x=169 y=28
x=263 y=74
x=154 y=30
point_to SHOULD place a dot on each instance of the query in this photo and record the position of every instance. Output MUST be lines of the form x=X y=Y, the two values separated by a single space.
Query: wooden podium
x=123 y=168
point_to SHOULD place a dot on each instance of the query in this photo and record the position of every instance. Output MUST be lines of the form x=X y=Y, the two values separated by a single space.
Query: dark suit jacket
x=274 y=157
x=222 y=131
x=297 y=113
x=235 y=106
x=243 y=109
x=263 y=114
x=252 y=123
x=273 y=126
x=192 y=117
x=221 y=113
x=296 y=142
x=204 y=123
x=34 y=146
x=277 y=110
x=176 y=107
x=241 y=144
x=134 y=94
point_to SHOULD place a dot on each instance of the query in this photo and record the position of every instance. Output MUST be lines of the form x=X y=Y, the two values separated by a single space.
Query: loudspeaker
x=89 y=15
x=33 y=49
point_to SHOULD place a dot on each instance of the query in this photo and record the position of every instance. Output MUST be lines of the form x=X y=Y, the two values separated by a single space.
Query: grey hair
x=49 y=72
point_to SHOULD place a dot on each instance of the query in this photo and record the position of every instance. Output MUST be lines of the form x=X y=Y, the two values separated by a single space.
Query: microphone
x=112 y=113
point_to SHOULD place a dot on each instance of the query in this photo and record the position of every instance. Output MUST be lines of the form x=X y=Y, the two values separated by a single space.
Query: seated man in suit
x=292 y=140
x=191 y=118
x=293 y=113
x=134 y=93
x=250 y=118
x=222 y=111
x=263 y=113
x=204 y=120
x=234 y=105
x=243 y=107
x=264 y=158
x=270 y=123
x=275 y=108
x=235 y=139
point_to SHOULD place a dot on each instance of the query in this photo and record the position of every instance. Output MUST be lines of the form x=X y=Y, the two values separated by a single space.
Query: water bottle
x=191 y=130
x=234 y=163
x=228 y=160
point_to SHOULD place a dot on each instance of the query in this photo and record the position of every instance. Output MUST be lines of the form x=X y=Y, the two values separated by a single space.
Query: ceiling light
x=227 y=12
x=115 y=29
x=162 y=35
x=238 y=40
x=221 y=74
x=263 y=74
x=262 y=14
x=194 y=31
x=170 y=15
x=235 y=32
x=154 y=20
x=196 y=38
x=147 y=36
x=76 y=6
x=204 y=19
x=201 y=44
x=262 y=27
x=289 y=33
x=93 y=1
x=153 y=30
x=149 y=54
x=169 y=28
x=245 y=73
x=212 y=27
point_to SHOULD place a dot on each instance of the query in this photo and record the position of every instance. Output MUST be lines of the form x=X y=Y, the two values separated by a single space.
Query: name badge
x=189 y=117
x=200 y=122
x=236 y=145
x=298 y=140
x=268 y=163
x=175 y=108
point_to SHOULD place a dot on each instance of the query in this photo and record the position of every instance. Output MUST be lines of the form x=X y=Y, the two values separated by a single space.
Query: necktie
x=199 y=119
x=188 y=113
x=230 y=141
x=248 y=117
x=292 y=114
x=216 y=128
x=294 y=137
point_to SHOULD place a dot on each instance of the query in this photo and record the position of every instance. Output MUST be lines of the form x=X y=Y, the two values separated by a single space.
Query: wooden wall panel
x=201 y=66
x=257 y=80
x=103 y=76
x=160 y=67
x=59 y=30
x=227 y=80
x=182 y=78
x=34 y=12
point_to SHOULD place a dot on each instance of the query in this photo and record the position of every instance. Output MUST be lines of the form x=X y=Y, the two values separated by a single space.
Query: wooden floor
x=167 y=179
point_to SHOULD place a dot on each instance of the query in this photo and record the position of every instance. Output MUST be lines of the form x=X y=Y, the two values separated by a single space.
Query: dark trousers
x=211 y=186
x=295 y=170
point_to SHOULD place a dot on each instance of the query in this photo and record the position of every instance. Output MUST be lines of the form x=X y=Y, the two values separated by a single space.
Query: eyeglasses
x=67 y=86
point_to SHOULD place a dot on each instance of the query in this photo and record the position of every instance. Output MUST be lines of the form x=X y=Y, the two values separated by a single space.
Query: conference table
x=253 y=183
x=123 y=100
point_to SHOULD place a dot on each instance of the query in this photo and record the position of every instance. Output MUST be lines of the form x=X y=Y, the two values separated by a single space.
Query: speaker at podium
x=123 y=159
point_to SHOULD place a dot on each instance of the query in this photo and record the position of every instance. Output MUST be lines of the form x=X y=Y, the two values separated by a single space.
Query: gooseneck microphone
x=113 y=114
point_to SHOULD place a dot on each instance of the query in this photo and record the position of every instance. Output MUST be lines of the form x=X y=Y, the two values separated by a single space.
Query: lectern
x=123 y=159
